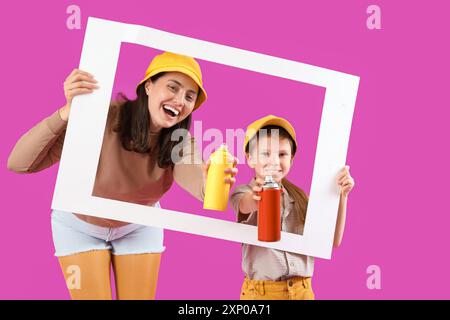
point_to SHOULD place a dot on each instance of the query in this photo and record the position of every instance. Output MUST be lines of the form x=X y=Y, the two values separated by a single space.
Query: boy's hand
x=345 y=181
x=250 y=201
x=257 y=189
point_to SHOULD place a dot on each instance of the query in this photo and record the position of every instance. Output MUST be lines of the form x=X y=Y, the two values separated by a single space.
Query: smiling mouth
x=171 y=111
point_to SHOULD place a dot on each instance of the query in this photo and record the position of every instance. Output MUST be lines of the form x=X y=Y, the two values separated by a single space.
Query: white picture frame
x=84 y=136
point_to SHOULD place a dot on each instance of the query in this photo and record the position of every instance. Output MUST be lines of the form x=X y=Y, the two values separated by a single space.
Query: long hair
x=133 y=127
x=298 y=195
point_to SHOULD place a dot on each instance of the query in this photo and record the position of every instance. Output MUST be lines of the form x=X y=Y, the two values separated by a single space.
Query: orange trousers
x=296 y=288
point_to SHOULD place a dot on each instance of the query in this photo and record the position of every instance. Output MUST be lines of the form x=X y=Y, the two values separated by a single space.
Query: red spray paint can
x=269 y=220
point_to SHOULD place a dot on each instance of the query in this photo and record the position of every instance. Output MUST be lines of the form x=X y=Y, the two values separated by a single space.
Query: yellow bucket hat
x=172 y=62
x=254 y=127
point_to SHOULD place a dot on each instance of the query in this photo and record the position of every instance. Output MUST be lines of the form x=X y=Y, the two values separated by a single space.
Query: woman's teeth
x=172 y=111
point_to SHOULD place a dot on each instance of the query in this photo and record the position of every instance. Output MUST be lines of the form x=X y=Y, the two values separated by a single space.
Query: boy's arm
x=237 y=199
x=340 y=223
x=244 y=199
x=247 y=204
x=346 y=183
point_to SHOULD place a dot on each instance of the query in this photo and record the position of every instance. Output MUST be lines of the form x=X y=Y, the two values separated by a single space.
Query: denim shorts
x=72 y=235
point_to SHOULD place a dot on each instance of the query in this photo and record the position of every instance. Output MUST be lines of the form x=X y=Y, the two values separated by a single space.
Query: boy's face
x=272 y=155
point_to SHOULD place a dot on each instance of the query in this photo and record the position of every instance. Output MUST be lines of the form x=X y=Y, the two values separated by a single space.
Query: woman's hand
x=345 y=181
x=228 y=171
x=78 y=82
x=231 y=171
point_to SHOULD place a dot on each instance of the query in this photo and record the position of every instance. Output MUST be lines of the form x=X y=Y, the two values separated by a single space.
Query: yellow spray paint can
x=217 y=190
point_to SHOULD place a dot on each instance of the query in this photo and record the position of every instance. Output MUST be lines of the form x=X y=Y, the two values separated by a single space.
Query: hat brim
x=275 y=122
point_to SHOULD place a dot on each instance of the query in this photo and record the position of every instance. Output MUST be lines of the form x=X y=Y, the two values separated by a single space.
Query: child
x=270 y=146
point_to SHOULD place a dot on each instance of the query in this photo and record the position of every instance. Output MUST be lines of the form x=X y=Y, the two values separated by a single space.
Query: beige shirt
x=261 y=263
x=121 y=175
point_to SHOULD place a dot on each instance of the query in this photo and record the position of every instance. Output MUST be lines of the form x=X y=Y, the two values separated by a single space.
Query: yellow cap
x=253 y=128
x=172 y=62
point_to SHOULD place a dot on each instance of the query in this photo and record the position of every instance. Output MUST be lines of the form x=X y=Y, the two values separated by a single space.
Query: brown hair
x=298 y=195
x=133 y=127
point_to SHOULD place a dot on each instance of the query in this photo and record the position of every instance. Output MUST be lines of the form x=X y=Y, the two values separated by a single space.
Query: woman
x=136 y=165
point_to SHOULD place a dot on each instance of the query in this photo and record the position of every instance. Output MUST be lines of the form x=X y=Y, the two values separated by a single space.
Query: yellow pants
x=297 y=288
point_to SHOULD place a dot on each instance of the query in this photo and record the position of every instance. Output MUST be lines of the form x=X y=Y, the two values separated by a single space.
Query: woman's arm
x=188 y=172
x=40 y=147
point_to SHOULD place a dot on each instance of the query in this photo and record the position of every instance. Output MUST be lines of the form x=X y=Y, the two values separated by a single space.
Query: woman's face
x=272 y=155
x=171 y=99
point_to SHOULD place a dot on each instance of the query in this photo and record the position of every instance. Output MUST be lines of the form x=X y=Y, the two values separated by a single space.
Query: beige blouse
x=261 y=263
x=121 y=175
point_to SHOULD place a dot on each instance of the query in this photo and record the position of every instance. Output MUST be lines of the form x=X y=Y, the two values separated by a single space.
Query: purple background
x=397 y=217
